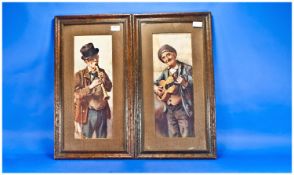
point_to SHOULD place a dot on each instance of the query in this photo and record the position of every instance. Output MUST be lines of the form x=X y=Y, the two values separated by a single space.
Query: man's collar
x=86 y=73
x=89 y=70
x=176 y=67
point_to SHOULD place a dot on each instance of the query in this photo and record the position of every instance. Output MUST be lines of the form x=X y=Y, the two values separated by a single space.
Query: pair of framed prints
x=134 y=86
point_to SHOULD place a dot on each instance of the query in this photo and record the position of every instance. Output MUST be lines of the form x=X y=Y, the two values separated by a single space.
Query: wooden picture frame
x=184 y=136
x=111 y=34
x=109 y=98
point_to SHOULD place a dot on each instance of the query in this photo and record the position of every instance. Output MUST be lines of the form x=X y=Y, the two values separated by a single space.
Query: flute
x=105 y=95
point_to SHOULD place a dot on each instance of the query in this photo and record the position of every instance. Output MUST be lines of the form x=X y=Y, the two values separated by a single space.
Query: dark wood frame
x=60 y=113
x=133 y=112
x=205 y=18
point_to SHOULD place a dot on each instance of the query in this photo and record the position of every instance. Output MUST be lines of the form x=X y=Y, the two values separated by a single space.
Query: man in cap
x=91 y=106
x=179 y=104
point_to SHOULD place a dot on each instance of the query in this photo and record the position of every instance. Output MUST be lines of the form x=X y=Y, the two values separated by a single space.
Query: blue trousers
x=97 y=121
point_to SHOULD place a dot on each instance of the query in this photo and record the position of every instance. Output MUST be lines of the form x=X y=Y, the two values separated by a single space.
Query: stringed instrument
x=169 y=87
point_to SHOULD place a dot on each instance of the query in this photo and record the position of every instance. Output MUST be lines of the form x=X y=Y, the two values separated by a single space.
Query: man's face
x=92 y=62
x=169 y=58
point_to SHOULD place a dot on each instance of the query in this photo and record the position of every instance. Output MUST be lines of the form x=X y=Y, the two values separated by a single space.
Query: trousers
x=97 y=121
x=179 y=124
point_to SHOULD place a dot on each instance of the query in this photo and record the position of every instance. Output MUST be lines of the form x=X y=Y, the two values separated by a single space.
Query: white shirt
x=173 y=70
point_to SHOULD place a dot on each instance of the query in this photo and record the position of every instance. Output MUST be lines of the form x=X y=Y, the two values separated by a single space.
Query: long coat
x=82 y=93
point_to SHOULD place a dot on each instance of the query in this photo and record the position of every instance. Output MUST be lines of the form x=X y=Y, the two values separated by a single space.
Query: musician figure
x=174 y=87
x=91 y=87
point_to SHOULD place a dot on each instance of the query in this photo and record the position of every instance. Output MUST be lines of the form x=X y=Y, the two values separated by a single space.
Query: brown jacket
x=82 y=93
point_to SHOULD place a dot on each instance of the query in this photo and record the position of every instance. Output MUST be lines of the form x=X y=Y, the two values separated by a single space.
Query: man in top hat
x=179 y=104
x=91 y=106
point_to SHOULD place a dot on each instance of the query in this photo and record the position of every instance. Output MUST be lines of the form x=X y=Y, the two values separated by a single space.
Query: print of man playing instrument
x=174 y=87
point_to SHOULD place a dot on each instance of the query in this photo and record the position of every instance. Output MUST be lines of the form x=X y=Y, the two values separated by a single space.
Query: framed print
x=93 y=111
x=134 y=86
x=175 y=102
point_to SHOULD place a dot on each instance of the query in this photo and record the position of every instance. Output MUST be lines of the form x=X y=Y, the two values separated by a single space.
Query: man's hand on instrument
x=101 y=76
x=182 y=81
x=158 y=90
x=95 y=83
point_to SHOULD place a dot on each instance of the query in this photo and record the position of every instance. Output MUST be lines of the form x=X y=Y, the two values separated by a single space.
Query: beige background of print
x=104 y=43
x=180 y=41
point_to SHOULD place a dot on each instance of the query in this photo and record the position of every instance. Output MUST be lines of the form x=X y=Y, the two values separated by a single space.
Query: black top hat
x=88 y=51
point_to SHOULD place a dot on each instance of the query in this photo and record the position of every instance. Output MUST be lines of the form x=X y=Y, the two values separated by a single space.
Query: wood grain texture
x=141 y=21
x=133 y=95
x=125 y=150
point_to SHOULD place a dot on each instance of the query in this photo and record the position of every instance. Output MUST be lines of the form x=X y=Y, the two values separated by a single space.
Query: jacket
x=186 y=93
x=82 y=93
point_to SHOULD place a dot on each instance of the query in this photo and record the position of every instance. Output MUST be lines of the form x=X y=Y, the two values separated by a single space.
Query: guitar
x=169 y=87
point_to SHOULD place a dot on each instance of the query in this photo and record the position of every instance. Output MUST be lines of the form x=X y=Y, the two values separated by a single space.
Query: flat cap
x=165 y=48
